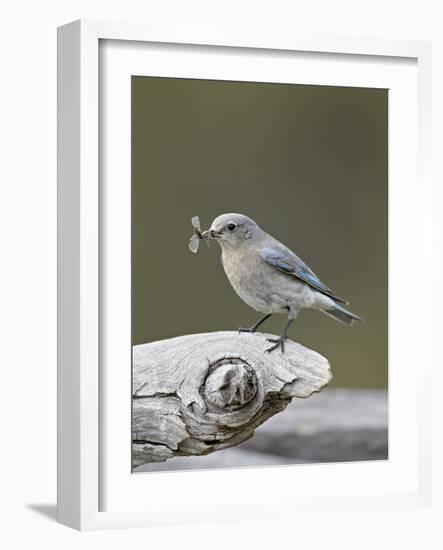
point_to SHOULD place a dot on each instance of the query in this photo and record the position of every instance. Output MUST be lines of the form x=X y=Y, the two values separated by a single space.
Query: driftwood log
x=196 y=394
x=334 y=425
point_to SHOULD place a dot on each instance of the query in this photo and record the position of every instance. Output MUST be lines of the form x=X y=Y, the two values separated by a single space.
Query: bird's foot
x=278 y=342
x=251 y=330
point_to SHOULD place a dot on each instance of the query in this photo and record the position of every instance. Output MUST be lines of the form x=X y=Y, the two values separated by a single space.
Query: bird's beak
x=211 y=234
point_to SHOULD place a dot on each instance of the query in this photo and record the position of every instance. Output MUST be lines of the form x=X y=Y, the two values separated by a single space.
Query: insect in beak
x=198 y=235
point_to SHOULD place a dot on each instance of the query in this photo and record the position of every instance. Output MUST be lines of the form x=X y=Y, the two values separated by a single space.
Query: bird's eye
x=231 y=226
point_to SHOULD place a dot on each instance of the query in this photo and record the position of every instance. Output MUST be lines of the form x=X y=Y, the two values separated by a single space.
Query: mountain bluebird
x=269 y=277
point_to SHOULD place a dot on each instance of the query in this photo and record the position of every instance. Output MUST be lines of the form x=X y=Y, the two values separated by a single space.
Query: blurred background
x=307 y=163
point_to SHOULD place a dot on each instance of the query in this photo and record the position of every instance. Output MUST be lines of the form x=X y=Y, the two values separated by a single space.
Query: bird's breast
x=236 y=269
x=245 y=273
x=263 y=287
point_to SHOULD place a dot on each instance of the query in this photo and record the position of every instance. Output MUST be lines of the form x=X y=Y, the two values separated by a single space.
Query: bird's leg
x=280 y=342
x=256 y=325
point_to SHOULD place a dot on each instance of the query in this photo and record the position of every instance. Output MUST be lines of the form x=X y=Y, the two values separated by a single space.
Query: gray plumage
x=268 y=276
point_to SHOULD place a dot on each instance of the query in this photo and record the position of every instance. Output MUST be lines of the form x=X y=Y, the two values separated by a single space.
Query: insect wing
x=196 y=222
x=194 y=244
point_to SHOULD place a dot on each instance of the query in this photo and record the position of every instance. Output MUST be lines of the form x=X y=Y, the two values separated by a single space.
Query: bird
x=269 y=277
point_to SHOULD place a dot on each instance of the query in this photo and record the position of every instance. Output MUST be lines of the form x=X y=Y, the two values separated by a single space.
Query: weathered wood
x=196 y=394
x=335 y=425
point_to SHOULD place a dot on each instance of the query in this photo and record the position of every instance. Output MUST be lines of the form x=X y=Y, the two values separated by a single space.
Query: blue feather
x=289 y=263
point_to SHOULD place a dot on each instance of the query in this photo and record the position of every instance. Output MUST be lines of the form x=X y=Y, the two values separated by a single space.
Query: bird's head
x=232 y=230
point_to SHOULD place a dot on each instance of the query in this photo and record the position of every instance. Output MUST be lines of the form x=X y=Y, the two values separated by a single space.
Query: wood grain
x=196 y=394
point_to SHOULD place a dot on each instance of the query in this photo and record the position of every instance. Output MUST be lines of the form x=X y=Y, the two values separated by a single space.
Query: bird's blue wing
x=289 y=263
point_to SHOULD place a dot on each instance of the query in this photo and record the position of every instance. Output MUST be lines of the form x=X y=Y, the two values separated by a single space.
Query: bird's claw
x=278 y=342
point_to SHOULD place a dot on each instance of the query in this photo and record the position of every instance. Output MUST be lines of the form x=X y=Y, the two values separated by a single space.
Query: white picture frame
x=84 y=444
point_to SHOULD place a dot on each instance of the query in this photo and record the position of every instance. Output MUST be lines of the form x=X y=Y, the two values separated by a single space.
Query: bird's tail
x=341 y=314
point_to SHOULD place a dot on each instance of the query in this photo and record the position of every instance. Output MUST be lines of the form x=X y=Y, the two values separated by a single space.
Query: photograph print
x=259 y=263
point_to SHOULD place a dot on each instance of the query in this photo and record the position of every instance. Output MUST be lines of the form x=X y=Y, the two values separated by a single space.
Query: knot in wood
x=231 y=383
